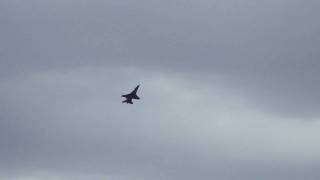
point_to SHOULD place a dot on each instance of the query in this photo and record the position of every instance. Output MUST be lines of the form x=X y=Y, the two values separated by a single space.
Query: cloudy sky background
x=229 y=90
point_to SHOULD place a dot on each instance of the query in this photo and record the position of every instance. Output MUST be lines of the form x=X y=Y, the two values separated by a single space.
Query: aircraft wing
x=135 y=90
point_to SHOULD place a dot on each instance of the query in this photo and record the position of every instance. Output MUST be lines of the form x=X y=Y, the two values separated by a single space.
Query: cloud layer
x=73 y=122
x=229 y=89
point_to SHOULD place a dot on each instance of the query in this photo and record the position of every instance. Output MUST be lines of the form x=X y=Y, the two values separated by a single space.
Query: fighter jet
x=130 y=96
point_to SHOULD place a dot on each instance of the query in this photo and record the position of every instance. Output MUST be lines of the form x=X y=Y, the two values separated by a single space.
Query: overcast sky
x=229 y=89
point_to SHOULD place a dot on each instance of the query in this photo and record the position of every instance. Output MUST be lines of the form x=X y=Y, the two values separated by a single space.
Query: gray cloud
x=268 y=48
x=70 y=122
x=227 y=86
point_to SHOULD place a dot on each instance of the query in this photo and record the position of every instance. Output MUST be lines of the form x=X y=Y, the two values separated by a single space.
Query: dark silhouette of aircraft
x=130 y=96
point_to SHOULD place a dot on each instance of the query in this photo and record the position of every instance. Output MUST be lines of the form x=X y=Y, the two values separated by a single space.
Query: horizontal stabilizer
x=127 y=101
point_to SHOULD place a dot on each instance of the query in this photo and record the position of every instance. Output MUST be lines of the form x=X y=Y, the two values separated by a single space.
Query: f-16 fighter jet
x=130 y=96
